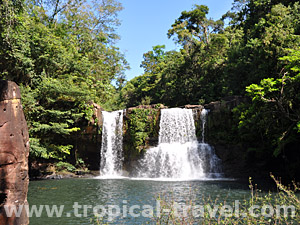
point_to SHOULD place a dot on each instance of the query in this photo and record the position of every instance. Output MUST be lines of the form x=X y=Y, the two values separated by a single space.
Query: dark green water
x=124 y=193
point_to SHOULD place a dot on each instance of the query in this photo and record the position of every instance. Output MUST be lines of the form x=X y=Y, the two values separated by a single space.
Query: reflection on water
x=122 y=192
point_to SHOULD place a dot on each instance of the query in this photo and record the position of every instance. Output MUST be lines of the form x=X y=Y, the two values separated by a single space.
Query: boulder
x=194 y=107
x=14 y=151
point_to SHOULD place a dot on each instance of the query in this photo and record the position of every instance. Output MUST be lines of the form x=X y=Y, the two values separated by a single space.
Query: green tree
x=268 y=30
x=274 y=115
x=15 y=61
x=63 y=54
x=194 y=27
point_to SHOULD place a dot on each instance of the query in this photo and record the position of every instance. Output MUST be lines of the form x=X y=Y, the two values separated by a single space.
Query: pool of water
x=99 y=194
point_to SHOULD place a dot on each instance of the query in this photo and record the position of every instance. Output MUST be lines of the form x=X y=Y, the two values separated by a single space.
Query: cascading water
x=179 y=155
x=176 y=126
x=112 y=144
x=203 y=117
x=211 y=162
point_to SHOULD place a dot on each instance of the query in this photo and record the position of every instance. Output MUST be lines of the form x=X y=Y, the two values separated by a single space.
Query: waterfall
x=210 y=159
x=179 y=155
x=177 y=126
x=203 y=117
x=111 y=157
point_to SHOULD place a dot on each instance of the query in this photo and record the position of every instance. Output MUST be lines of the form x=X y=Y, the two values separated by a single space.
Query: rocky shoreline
x=66 y=175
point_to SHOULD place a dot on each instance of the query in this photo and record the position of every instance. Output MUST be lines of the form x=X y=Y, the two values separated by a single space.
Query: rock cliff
x=14 y=150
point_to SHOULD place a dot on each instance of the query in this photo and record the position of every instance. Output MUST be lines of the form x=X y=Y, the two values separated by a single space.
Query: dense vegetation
x=62 y=53
x=256 y=54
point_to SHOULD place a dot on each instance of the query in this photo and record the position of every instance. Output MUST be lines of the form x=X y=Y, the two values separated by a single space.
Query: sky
x=145 y=23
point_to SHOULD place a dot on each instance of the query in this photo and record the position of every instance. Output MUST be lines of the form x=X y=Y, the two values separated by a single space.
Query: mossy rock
x=140 y=125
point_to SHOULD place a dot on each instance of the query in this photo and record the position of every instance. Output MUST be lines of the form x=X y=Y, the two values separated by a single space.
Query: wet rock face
x=14 y=151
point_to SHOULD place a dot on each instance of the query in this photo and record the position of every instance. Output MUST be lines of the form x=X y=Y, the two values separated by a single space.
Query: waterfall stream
x=111 y=157
x=179 y=155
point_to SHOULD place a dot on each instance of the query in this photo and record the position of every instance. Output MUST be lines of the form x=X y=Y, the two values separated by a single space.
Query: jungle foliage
x=63 y=55
x=253 y=50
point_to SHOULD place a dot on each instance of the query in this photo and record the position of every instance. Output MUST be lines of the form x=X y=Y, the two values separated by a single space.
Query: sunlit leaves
x=276 y=104
x=264 y=89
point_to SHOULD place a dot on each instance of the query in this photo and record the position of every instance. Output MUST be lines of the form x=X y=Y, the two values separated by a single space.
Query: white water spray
x=112 y=144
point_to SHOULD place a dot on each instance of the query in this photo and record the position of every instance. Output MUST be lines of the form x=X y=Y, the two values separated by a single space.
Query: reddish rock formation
x=14 y=150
